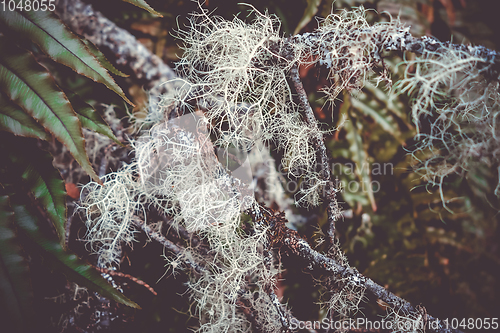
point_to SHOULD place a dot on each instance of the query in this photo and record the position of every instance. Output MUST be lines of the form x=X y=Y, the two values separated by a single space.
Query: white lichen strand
x=455 y=108
x=109 y=210
x=235 y=64
x=347 y=45
x=177 y=171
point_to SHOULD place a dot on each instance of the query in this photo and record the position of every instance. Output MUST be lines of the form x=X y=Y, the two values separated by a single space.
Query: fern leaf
x=59 y=43
x=30 y=85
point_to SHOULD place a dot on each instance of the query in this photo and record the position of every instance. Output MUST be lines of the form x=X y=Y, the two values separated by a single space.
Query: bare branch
x=127 y=276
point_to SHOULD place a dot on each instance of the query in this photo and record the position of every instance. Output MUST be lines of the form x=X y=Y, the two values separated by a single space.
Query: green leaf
x=30 y=85
x=358 y=152
x=59 y=43
x=388 y=101
x=102 y=58
x=46 y=185
x=74 y=268
x=34 y=168
x=89 y=117
x=13 y=119
x=309 y=12
x=142 y=4
x=16 y=293
x=384 y=121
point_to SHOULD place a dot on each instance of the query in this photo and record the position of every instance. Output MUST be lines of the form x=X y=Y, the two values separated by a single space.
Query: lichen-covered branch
x=148 y=69
x=295 y=244
x=394 y=38
x=319 y=144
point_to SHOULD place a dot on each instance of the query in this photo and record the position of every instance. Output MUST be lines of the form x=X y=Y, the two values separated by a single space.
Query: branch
x=404 y=41
x=147 y=67
x=319 y=144
x=127 y=276
x=282 y=235
x=176 y=249
x=401 y=40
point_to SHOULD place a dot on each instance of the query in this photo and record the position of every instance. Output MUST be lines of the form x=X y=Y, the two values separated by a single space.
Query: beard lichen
x=454 y=106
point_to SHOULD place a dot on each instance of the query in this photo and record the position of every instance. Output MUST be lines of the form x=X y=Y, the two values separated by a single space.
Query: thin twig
x=258 y=218
x=127 y=276
x=176 y=249
x=285 y=323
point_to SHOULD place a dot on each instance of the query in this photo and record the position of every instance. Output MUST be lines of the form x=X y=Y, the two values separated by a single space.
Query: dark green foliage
x=35 y=197
x=13 y=119
x=33 y=201
x=59 y=43
x=31 y=86
x=15 y=287
x=89 y=118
